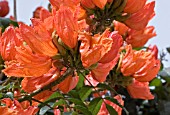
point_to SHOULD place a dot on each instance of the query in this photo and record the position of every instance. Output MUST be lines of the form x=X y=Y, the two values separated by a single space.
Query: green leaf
x=55 y=95
x=111 y=110
x=114 y=101
x=1 y=95
x=83 y=110
x=156 y=82
x=84 y=92
x=80 y=84
x=95 y=105
x=60 y=102
x=74 y=94
x=5 y=22
x=76 y=101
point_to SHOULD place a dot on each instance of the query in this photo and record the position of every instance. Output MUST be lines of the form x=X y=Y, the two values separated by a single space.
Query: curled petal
x=133 y=6
x=120 y=27
x=114 y=51
x=67 y=26
x=140 y=19
x=38 y=39
x=88 y=4
x=140 y=38
x=100 y=73
x=28 y=64
x=32 y=83
x=92 y=49
x=68 y=84
x=8 y=41
x=137 y=87
x=153 y=50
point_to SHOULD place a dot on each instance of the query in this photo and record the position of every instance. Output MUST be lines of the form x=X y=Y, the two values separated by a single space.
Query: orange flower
x=141 y=65
x=8 y=41
x=100 y=3
x=16 y=108
x=68 y=84
x=140 y=19
x=114 y=51
x=103 y=109
x=120 y=27
x=38 y=38
x=140 y=90
x=140 y=38
x=44 y=14
x=133 y=6
x=153 y=50
x=93 y=48
x=67 y=26
x=27 y=64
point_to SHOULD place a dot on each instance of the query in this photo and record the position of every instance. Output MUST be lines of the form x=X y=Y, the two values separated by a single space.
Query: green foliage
x=111 y=110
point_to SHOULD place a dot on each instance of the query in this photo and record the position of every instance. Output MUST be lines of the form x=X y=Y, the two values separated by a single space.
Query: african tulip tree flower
x=100 y=3
x=140 y=19
x=93 y=48
x=154 y=50
x=120 y=27
x=140 y=90
x=88 y=4
x=8 y=41
x=140 y=38
x=15 y=108
x=141 y=65
x=133 y=6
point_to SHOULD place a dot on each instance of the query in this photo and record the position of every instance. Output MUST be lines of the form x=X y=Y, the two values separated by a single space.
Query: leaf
x=83 y=110
x=74 y=94
x=76 y=101
x=105 y=86
x=114 y=101
x=84 y=92
x=156 y=82
x=95 y=105
x=80 y=83
x=55 y=95
x=111 y=110
x=5 y=22
x=60 y=102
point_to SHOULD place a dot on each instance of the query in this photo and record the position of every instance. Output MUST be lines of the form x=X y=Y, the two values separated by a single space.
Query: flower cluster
x=93 y=40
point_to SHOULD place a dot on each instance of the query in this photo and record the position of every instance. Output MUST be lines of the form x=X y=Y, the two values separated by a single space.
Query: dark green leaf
x=83 y=110
x=168 y=49
x=76 y=101
x=156 y=82
x=95 y=105
x=55 y=95
x=5 y=22
x=111 y=110
x=84 y=92
x=74 y=94
x=81 y=82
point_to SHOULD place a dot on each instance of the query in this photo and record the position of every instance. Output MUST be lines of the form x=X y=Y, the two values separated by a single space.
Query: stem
x=15 y=10
x=59 y=80
x=45 y=104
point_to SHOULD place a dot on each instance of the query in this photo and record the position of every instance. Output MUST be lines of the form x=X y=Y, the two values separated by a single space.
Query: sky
x=161 y=21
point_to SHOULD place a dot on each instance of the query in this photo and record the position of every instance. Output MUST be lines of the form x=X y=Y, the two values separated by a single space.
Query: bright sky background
x=161 y=21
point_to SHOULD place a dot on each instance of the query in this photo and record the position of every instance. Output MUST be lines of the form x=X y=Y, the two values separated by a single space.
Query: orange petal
x=8 y=41
x=120 y=27
x=38 y=38
x=32 y=83
x=68 y=84
x=88 y=4
x=140 y=90
x=28 y=64
x=100 y=3
x=67 y=26
x=133 y=6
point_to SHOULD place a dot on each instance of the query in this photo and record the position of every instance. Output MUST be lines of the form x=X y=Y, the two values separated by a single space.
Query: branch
x=49 y=86
x=15 y=10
